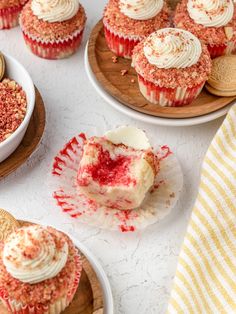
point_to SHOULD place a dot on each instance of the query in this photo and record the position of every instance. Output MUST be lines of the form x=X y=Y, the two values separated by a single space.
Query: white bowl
x=15 y=71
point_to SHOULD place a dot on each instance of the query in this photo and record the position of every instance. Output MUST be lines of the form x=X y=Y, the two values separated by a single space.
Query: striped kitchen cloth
x=205 y=281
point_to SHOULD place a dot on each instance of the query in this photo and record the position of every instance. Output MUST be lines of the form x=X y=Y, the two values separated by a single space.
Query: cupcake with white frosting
x=127 y=22
x=9 y=12
x=40 y=271
x=172 y=67
x=213 y=22
x=53 y=29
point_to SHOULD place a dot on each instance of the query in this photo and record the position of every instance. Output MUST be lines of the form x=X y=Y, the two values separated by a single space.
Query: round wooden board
x=30 y=141
x=89 y=296
x=121 y=88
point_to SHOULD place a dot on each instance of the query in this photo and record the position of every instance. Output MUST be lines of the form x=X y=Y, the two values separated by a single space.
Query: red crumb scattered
x=13 y=106
x=125 y=228
x=37 y=28
x=123 y=72
x=172 y=78
x=107 y=171
x=119 y=23
x=83 y=137
x=210 y=35
x=46 y=292
x=6 y=4
x=114 y=59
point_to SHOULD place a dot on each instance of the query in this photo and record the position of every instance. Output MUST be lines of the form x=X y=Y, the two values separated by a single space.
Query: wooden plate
x=121 y=88
x=89 y=296
x=30 y=141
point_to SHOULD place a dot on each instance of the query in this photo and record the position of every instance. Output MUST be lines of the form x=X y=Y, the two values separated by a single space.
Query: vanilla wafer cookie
x=7 y=224
x=2 y=66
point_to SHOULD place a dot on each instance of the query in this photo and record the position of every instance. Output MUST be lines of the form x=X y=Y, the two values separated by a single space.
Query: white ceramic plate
x=145 y=117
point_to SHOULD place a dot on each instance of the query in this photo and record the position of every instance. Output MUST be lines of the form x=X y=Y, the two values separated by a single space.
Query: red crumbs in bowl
x=13 y=106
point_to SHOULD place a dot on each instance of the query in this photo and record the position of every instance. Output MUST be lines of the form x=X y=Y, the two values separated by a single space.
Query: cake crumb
x=114 y=59
x=124 y=72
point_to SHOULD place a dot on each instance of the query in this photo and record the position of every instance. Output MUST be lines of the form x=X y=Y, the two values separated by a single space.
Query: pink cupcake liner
x=121 y=46
x=55 y=50
x=9 y=17
x=168 y=97
x=221 y=50
x=159 y=201
x=56 y=308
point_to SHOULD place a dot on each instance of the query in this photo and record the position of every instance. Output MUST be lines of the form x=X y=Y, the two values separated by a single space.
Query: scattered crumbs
x=124 y=72
x=114 y=59
x=172 y=195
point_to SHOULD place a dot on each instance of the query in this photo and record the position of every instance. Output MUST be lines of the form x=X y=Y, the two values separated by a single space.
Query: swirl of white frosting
x=55 y=10
x=211 y=13
x=172 y=48
x=31 y=256
x=141 y=9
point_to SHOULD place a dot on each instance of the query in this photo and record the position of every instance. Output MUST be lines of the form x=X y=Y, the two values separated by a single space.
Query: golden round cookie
x=220 y=93
x=8 y=224
x=2 y=66
x=223 y=75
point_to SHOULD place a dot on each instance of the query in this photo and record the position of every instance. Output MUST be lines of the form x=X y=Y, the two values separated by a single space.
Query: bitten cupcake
x=213 y=22
x=40 y=271
x=9 y=12
x=53 y=29
x=172 y=66
x=127 y=22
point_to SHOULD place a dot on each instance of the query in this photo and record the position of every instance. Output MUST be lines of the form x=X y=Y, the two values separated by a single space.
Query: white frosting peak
x=211 y=13
x=172 y=48
x=55 y=10
x=31 y=255
x=141 y=9
x=129 y=136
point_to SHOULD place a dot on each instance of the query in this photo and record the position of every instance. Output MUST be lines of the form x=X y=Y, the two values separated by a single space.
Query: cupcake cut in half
x=172 y=67
x=53 y=29
x=9 y=12
x=40 y=270
x=127 y=22
x=213 y=22
x=118 y=169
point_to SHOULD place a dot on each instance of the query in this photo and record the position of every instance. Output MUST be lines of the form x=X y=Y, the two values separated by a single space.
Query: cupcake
x=127 y=22
x=53 y=29
x=172 y=67
x=118 y=169
x=213 y=22
x=9 y=12
x=40 y=271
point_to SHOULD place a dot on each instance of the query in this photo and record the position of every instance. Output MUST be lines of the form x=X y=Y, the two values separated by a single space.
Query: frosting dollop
x=141 y=9
x=32 y=255
x=211 y=13
x=172 y=48
x=55 y=10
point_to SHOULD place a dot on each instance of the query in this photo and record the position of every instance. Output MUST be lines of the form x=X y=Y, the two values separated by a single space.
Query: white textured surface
x=140 y=266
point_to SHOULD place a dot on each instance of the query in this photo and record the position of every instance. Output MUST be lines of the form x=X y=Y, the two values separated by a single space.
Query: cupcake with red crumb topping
x=213 y=22
x=172 y=67
x=127 y=22
x=9 y=12
x=118 y=169
x=40 y=271
x=53 y=29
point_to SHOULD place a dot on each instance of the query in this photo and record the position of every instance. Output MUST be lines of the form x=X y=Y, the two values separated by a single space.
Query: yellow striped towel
x=205 y=281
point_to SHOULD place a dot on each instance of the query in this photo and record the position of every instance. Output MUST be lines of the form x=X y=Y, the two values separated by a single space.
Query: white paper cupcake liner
x=160 y=200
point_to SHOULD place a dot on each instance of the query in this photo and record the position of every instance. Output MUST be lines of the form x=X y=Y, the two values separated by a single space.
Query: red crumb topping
x=13 y=106
x=5 y=4
x=119 y=23
x=210 y=35
x=107 y=171
x=36 y=28
x=46 y=292
x=172 y=78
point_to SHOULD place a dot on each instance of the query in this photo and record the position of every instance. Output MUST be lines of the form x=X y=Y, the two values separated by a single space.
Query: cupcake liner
x=221 y=50
x=159 y=201
x=122 y=46
x=9 y=17
x=56 y=308
x=54 y=49
x=168 y=97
